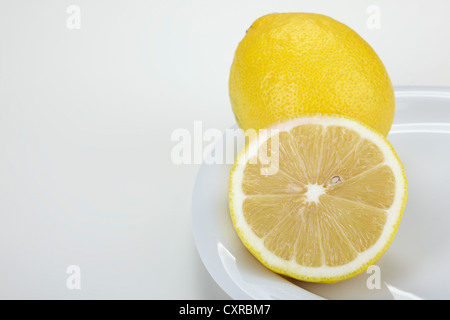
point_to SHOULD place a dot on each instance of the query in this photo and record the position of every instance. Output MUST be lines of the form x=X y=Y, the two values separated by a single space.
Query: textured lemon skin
x=327 y=278
x=293 y=63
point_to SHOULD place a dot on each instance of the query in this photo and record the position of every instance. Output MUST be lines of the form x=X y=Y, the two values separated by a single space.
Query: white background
x=86 y=117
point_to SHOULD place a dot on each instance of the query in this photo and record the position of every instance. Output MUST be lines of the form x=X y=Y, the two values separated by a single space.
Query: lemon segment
x=333 y=206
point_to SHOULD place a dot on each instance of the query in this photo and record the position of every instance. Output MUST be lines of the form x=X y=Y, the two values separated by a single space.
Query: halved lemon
x=318 y=198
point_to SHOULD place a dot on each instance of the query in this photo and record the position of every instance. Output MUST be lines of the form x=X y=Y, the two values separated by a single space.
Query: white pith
x=314 y=192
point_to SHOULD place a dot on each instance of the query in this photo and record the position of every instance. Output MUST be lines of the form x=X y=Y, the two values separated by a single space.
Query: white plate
x=416 y=266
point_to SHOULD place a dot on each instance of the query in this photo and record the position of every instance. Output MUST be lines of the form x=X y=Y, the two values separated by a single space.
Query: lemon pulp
x=333 y=206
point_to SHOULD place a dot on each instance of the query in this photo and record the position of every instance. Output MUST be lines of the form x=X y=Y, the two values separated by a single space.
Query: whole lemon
x=295 y=63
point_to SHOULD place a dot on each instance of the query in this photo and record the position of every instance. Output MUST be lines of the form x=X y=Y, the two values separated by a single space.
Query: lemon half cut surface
x=330 y=209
